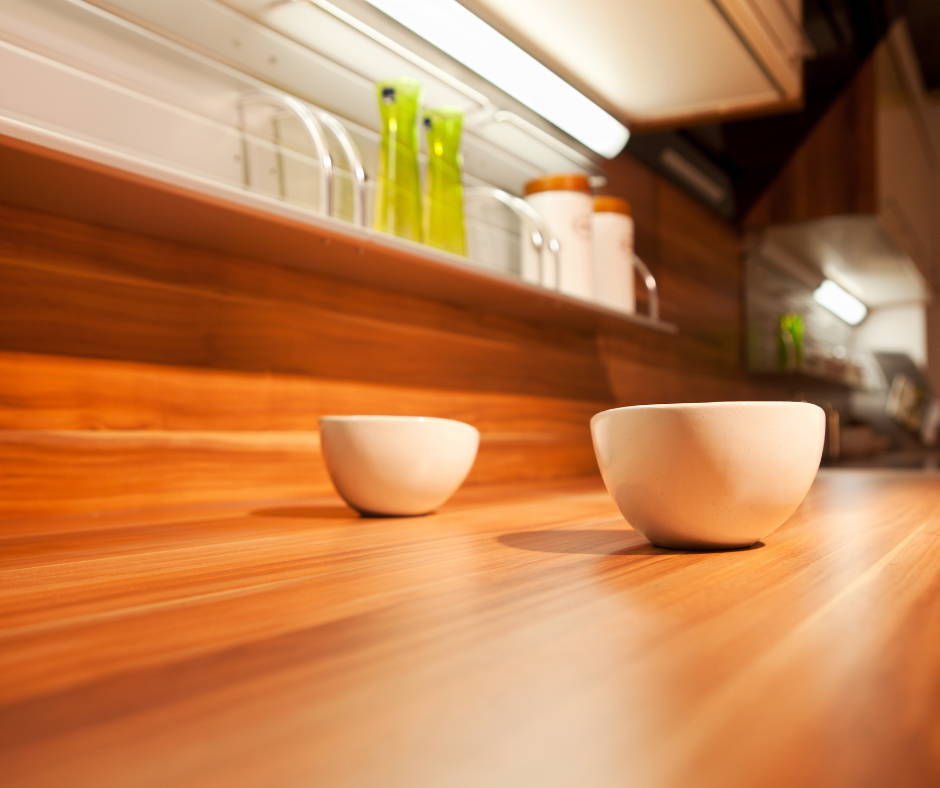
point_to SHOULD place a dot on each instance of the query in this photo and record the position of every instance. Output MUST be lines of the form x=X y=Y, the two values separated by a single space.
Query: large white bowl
x=709 y=475
x=397 y=465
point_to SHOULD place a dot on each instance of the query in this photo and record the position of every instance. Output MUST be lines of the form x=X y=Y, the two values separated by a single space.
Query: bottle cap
x=608 y=204
x=559 y=182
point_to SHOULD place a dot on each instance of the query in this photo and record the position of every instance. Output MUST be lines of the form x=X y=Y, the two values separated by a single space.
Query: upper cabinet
x=907 y=172
x=647 y=64
x=667 y=62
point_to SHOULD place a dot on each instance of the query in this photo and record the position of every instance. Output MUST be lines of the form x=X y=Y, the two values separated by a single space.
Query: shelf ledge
x=50 y=171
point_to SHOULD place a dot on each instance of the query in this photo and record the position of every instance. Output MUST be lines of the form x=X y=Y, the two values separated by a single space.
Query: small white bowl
x=709 y=475
x=397 y=465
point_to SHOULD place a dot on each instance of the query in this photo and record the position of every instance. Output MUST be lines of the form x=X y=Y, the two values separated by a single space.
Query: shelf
x=118 y=122
x=51 y=171
x=808 y=379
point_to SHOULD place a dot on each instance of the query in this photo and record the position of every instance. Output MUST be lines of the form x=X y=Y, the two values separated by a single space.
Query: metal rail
x=651 y=287
x=354 y=160
x=314 y=131
x=314 y=121
x=539 y=233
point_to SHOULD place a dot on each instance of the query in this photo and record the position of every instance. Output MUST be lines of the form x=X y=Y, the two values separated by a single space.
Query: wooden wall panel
x=52 y=472
x=56 y=393
x=833 y=171
x=140 y=370
x=47 y=472
x=696 y=258
x=81 y=434
x=103 y=300
x=58 y=312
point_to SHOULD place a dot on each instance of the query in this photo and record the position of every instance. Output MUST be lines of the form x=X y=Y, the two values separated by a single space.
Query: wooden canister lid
x=559 y=182
x=607 y=204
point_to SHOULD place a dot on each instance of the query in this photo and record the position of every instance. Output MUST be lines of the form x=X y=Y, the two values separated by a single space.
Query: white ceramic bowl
x=397 y=465
x=709 y=475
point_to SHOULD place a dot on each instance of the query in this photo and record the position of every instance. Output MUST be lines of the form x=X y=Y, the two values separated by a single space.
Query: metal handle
x=539 y=234
x=354 y=160
x=314 y=131
x=650 y=281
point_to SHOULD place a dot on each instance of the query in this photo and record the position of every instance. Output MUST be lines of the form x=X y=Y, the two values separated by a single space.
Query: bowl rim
x=393 y=419
x=745 y=404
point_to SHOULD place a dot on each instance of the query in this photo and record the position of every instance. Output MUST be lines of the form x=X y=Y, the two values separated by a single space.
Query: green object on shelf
x=398 y=185
x=790 y=342
x=444 y=227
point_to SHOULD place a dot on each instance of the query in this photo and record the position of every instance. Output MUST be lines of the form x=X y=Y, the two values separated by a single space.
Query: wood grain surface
x=833 y=172
x=87 y=435
x=522 y=636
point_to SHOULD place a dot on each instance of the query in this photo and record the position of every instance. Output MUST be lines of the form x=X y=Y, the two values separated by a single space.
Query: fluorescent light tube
x=840 y=302
x=468 y=39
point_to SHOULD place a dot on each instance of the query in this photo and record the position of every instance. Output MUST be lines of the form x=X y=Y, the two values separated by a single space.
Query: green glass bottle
x=398 y=185
x=790 y=342
x=444 y=228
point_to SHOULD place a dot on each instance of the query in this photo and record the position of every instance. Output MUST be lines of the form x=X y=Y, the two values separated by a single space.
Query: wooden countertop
x=524 y=636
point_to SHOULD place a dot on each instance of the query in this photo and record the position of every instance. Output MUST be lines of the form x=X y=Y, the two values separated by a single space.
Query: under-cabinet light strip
x=840 y=302
x=469 y=40
x=393 y=46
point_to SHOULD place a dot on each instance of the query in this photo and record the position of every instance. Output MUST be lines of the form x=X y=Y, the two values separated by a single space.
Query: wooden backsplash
x=833 y=172
x=136 y=370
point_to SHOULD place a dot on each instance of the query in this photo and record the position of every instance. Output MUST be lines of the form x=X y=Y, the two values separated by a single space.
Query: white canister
x=612 y=228
x=564 y=202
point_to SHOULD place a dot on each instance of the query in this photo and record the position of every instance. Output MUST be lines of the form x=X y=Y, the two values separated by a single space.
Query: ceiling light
x=468 y=39
x=840 y=302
